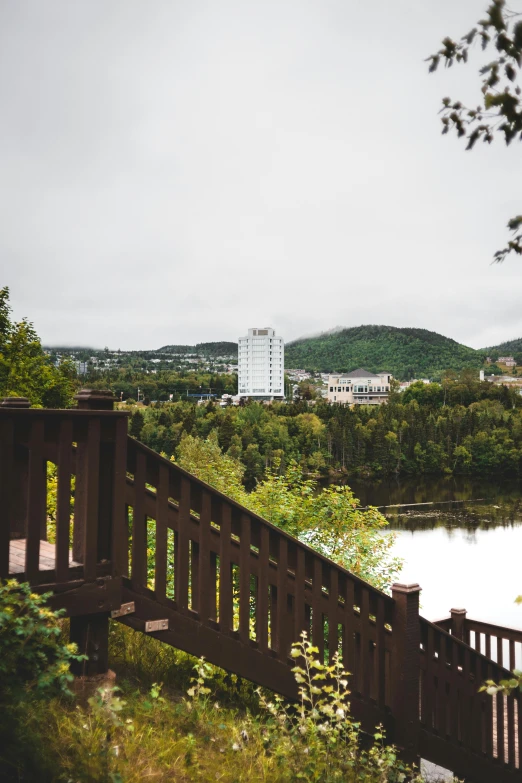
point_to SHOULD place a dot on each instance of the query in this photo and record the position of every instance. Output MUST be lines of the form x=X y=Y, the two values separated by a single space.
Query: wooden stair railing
x=224 y=583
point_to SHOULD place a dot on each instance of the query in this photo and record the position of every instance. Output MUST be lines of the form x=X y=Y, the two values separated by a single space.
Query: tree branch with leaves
x=499 y=112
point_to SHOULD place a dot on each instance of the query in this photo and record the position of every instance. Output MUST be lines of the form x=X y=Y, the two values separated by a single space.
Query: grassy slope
x=404 y=352
x=223 y=738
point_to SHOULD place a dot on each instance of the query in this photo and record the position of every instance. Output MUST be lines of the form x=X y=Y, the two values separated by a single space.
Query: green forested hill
x=203 y=349
x=509 y=348
x=406 y=353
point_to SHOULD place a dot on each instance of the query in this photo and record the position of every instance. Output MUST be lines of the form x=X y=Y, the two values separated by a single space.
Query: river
x=464 y=550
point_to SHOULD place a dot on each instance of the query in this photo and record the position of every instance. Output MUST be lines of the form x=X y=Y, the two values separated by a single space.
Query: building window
x=331 y=388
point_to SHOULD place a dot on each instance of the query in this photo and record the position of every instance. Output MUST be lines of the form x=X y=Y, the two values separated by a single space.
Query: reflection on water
x=477 y=570
x=427 y=489
x=464 y=555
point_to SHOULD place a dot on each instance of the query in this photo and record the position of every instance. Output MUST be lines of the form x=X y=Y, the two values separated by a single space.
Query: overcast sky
x=175 y=172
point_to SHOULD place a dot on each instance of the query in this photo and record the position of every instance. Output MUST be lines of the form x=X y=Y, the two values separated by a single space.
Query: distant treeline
x=160 y=385
x=462 y=426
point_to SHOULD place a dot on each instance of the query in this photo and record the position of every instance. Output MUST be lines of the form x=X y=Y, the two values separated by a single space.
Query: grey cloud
x=174 y=172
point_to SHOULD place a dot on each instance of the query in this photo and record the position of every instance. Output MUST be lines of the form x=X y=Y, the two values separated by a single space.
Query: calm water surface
x=464 y=555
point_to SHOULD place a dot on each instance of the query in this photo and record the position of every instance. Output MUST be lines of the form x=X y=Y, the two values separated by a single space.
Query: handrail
x=133 y=443
x=240 y=590
x=216 y=560
x=497 y=642
x=455 y=714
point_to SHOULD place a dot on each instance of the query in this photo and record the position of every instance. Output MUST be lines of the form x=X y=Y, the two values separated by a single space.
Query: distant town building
x=403 y=385
x=504 y=380
x=261 y=363
x=359 y=387
x=507 y=360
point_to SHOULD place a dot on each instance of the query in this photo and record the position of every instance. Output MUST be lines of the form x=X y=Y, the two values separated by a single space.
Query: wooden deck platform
x=47 y=556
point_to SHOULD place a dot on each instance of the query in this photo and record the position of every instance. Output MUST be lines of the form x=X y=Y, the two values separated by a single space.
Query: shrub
x=33 y=658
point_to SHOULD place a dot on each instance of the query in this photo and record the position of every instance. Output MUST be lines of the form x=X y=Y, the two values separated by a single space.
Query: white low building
x=359 y=387
x=261 y=365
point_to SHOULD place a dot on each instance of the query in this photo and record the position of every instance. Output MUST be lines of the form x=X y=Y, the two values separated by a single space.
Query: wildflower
x=235 y=746
x=216 y=705
x=340 y=713
x=322 y=728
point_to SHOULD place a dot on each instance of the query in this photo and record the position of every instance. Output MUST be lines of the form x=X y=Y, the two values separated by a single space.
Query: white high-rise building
x=261 y=365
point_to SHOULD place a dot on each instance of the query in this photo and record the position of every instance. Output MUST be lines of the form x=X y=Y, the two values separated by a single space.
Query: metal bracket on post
x=124 y=610
x=156 y=625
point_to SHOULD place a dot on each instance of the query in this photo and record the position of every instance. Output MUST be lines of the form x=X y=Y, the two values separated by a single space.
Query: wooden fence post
x=18 y=489
x=406 y=669
x=91 y=632
x=94 y=400
x=458 y=624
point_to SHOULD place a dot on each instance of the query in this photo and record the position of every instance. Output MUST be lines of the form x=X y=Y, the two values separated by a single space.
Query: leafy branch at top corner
x=501 y=108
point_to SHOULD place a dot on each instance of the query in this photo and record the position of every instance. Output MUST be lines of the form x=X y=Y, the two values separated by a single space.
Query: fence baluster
x=36 y=516
x=205 y=584
x=225 y=583
x=348 y=640
x=63 y=501
x=120 y=529
x=182 y=561
x=244 y=579
x=282 y=599
x=511 y=729
x=139 y=525
x=6 y=478
x=299 y=595
x=333 y=602
x=262 y=590
x=364 y=656
x=317 y=607
x=160 y=564
x=90 y=549
x=381 y=654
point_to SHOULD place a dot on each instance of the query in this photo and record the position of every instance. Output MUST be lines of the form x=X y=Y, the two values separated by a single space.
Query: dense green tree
x=462 y=425
x=25 y=369
x=136 y=424
x=329 y=519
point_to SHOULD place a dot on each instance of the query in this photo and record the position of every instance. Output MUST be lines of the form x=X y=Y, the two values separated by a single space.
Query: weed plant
x=199 y=724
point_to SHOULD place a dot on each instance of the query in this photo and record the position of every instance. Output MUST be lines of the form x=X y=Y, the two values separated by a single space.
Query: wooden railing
x=460 y=725
x=220 y=581
x=218 y=563
x=88 y=444
x=501 y=644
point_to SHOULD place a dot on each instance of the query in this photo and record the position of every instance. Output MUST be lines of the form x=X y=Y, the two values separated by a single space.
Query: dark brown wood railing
x=90 y=445
x=218 y=563
x=455 y=716
x=207 y=575
x=501 y=644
